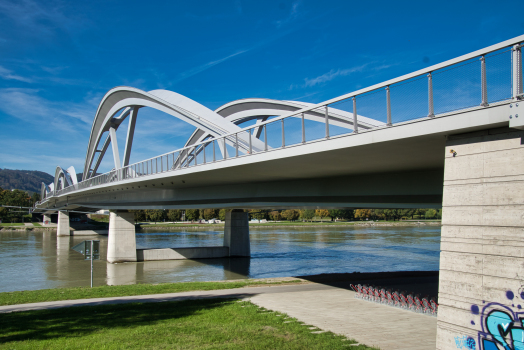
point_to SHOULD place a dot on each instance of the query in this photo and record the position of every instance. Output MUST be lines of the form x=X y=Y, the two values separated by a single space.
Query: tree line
x=15 y=198
x=160 y=215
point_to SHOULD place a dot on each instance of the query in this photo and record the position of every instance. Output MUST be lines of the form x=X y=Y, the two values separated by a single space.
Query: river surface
x=34 y=260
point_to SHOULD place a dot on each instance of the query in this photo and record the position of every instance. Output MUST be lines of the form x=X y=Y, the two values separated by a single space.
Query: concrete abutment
x=482 y=243
x=236 y=233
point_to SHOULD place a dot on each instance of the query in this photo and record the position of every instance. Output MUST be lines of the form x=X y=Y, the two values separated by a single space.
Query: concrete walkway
x=326 y=307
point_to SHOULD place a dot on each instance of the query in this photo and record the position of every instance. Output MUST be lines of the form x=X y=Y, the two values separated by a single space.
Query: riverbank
x=184 y=226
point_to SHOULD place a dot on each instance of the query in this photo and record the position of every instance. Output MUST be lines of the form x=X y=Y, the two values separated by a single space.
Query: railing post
x=355 y=122
x=236 y=145
x=483 y=82
x=517 y=72
x=265 y=137
x=283 y=134
x=388 y=101
x=195 y=155
x=187 y=157
x=250 y=143
x=431 y=111
x=225 y=148
x=156 y=165
x=303 y=130
x=204 y=150
x=327 y=121
x=214 y=154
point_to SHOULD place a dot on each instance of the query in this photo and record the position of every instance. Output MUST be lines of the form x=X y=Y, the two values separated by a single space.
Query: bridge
x=448 y=136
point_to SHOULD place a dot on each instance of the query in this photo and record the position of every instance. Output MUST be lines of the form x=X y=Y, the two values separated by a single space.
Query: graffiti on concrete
x=465 y=342
x=502 y=325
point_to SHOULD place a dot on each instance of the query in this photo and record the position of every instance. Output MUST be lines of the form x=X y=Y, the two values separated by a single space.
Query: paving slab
x=337 y=310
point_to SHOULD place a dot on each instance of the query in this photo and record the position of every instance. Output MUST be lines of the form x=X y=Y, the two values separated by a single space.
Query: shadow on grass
x=81 y=321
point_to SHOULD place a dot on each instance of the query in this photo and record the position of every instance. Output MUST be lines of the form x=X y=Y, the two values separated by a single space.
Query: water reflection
x=42 y=260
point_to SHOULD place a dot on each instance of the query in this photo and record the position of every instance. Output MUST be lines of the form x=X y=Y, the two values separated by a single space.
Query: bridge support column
x=121 y=242
x=236 y=233
x=46 y=219
x=63 y=228
x=481 y=286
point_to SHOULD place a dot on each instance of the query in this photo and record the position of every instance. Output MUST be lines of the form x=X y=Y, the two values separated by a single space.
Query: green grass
x=192 y=325
x=9 y=224
x=35 y=296
x=36 y=224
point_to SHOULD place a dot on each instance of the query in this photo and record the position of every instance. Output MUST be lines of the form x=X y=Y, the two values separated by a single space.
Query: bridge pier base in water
x=481 y=283
x=236 y=233
x=121 y=242
x=63 y=228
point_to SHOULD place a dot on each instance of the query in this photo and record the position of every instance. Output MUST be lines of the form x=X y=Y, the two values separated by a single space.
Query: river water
x=34 y=260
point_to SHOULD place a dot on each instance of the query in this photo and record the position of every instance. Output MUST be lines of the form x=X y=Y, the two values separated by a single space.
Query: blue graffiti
x=501 y=327
x=465 y=342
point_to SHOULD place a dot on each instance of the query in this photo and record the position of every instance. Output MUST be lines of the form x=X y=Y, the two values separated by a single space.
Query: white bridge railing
x=476 y=80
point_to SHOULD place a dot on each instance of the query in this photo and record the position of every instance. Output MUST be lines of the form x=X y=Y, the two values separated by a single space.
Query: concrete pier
x=63 y=228
x=121 y=243
x=482 y=256
x=46 y=218
x=236 y=233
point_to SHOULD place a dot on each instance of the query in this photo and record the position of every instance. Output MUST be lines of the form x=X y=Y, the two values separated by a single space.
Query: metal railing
x=475 y=80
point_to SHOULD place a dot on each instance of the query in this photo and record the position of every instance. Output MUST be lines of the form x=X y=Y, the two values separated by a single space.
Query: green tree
x=155 y=215
x=259 y=214
x=307 y=214
x=192 y=214
x=209 y=214
x=174 y=215
x=430 y=214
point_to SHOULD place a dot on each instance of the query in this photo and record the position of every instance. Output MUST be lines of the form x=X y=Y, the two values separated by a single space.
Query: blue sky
x=58 y=59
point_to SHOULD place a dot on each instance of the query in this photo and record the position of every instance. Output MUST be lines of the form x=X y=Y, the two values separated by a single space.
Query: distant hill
x=25 y=180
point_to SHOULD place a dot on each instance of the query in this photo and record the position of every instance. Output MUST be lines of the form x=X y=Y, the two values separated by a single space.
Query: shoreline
x=172 y=227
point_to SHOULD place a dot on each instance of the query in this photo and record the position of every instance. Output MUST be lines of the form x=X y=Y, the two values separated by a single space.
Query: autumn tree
x=259 y=214
x=275 y=215
x=362 y=214
x=321 y=213
x=290 y=214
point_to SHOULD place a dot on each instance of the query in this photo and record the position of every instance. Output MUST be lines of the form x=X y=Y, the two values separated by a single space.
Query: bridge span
x=448 y=136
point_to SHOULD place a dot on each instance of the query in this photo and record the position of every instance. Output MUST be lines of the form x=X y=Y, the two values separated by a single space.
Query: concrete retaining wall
x=481 y=284
x=89 y=232
x=181 y=253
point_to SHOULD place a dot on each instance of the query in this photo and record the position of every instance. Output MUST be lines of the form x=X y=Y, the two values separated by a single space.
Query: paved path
x=328 y=308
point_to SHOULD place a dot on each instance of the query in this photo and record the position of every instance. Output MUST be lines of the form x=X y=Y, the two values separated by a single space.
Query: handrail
x=144 y=168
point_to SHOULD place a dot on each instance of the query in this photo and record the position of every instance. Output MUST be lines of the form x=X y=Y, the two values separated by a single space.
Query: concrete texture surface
x=121 y=242
x=63 y=228
x=322 y=306
x=481 y=261
x=236 y=233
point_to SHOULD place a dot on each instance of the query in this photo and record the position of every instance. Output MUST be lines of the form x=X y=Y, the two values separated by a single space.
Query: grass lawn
x=35 y=296
x=192 y=324
x=14 y=224
x=36 y=224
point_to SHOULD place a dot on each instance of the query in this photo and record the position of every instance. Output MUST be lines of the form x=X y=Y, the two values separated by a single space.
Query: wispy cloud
x=332 y=74
x=293 y=15
x=27 y=104
x=206 y=66
x=31 y=14
x=9 y=75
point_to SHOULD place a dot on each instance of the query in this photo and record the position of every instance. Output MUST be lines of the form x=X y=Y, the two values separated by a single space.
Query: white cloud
x=8 y=75
x=332 y=74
